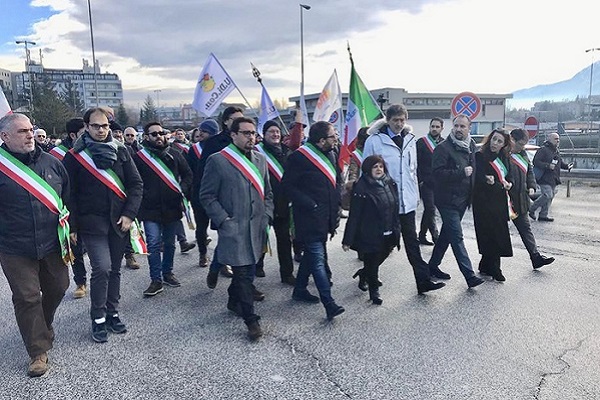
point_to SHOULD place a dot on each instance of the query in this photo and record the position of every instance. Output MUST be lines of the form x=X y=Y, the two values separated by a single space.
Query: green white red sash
x=246 y=167
x=502 y=172
x=520 y=162
x=167 y=176
x=197 y=148
x=358 y=156
x=136 y=233
x=59 y=151
x=429 y=142
x=320 y=161
x=107 y=176
x=275 y=167
x=41 y=190
x=182 y=146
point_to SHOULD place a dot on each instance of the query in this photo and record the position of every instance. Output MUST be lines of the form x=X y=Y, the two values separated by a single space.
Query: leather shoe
x=260 y=271
x=305 y=296
x=362 y=280
x=212 y=278
x=532 y=215
x=438 y=273
x=289 y=280
x=540 y=260
x=474 y=281
x=424 y=241
x=226 y=271
x=254 y=330
x=333 y=310
x=498 y=276
x=186 y=246
x=546 y=219
x=427 y=286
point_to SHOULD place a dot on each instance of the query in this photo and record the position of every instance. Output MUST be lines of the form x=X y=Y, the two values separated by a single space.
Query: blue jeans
x=451 y=235
x=313 y=262
x=157 y=234
x=544 y=201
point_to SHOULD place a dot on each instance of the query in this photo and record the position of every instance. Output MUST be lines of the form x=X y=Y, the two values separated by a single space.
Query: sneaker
x=170 y=280
x=305 y=296
x=226 y=271
x=186 y=246
x=114 y=324
x=203 y=261
x=155 y=288
x=212 y=279
x=333 y=310
x=254 y=330
x=38 y=365
x=99 y=332
x=79 y=292
x=131 y=262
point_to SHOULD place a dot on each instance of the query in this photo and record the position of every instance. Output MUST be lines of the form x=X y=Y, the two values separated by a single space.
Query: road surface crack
x=563 y=370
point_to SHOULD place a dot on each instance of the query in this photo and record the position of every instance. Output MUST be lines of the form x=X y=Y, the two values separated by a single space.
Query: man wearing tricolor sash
x=523 y=186
x=425 y=147
x=236 y=194
x=395 y=142
x=312 y=182
x=167 y=181
x=276 y=154
x=34 y=235
x=106 y=191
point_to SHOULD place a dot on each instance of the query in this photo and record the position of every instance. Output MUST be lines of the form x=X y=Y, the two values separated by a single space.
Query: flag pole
x=238 y=89
x=256 y=74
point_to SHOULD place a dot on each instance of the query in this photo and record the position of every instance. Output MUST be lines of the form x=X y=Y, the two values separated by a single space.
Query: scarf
x=160 y=152
x=464 y=143
x=104 y=153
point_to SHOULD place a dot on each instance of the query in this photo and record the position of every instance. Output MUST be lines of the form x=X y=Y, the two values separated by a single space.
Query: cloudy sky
x=429 y=46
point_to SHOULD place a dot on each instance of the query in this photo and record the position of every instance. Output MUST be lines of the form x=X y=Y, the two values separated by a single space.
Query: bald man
x=548 y=163
x=130 y=136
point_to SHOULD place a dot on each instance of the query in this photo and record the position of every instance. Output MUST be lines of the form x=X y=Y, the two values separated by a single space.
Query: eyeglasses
x=155 y=134
x=129 y=135
x=248 y=133
x=98 y=126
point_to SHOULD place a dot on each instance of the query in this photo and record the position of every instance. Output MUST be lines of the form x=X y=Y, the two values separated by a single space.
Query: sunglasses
x=155 y=134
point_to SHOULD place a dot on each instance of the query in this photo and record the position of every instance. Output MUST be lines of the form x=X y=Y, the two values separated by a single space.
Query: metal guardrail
x=580 y=174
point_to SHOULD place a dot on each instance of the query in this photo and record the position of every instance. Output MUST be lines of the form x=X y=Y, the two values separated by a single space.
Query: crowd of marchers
x=103 y=192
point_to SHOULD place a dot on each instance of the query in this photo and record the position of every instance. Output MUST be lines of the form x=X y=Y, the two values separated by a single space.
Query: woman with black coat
x=491 y=204
x=373 y=227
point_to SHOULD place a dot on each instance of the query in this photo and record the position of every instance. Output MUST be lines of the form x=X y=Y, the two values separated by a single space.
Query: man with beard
x=425 y=147
x=237 y=197
x=167 y=181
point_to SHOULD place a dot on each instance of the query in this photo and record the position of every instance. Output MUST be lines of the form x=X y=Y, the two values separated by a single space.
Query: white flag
x=214 y=84
x=330 y=99
x=268 y=111
x=4 y=107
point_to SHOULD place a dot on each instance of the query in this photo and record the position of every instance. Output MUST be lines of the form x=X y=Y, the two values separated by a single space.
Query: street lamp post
x=592 y=50
x=93 y=53
x=28 y=69
x=303 y=105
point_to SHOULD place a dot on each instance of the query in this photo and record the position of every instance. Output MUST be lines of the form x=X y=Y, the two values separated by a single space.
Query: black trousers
x=372 y=262
x=281 y=226
x=408 y=231
x=524 y=229
x=79 y=273
x=428 y=218
x=241 y=290
x=202 y=222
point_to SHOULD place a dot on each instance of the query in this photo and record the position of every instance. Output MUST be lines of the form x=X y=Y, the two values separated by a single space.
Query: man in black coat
x=30 y=253
x=549 y=162
x=312 y=183
x=453 y=167
x=167 y=182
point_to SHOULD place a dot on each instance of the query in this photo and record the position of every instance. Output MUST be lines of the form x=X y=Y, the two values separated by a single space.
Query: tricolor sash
x=429 y=142
x=197 y=149
x=358 y=156
x=319 y=160
x=136 y=234
x=181 y=146
x=107 y=176
x=502 y=172
x=41 y=190
x=274 y=166
x=520 y=162
x=167 y=176
x=59 y=151
x=246 y=167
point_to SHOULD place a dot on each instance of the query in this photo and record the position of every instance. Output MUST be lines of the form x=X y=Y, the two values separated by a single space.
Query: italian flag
x=4 y=107
x=361 y=111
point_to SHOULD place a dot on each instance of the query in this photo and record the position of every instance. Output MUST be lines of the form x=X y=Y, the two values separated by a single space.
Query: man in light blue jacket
x=397 y=145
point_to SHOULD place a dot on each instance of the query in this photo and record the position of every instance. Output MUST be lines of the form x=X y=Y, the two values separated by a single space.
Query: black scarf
x=104 y=154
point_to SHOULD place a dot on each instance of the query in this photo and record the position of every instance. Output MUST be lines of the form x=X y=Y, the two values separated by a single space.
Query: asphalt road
x=535 y=336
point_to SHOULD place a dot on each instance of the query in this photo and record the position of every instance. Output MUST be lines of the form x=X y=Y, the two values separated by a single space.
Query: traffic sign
x=466 y=103
x=532 y=126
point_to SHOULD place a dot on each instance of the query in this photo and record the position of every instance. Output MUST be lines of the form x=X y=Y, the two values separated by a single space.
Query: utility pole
x=28 y=69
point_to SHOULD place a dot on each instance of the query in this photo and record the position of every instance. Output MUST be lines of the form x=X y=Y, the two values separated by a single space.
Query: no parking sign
x=466 y=103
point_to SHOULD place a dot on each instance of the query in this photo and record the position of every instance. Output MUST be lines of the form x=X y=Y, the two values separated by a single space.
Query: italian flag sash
x=107 y=176
x=182 y=146
x=274 y=166
x=520 y=162
x=319 y=160
x=167 y=176
x=136 y=233
x=41 y=190
x=358 y=156
x=429 y=142
x=246 y=167
x=502 y=171
x=197 y=149
x=59 y=152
